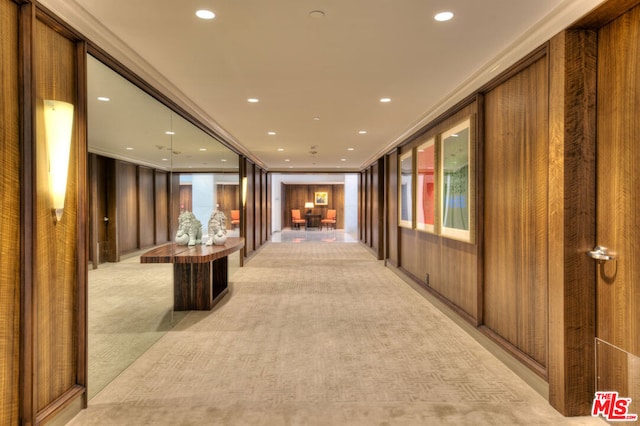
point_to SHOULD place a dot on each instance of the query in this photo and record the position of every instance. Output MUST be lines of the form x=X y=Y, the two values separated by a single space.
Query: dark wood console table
x=200 y=273
x=313 y=220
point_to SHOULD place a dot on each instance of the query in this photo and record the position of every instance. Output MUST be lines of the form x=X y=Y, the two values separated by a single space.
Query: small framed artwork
x=321 y=199
x=426 y=186
x=457 y=189
x=405 y=202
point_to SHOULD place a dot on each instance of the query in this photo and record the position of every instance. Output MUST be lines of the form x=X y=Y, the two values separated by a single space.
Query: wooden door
x=618 y=208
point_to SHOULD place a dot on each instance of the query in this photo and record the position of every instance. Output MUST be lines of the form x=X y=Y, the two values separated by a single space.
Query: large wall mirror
x=143 y=157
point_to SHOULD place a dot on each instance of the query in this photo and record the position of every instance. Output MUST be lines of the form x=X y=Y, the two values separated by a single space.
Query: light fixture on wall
x=308 y=205
x=244 y=191
x=58 y=121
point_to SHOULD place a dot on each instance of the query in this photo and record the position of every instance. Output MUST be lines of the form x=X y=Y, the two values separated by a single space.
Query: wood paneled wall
x=572 y=152
x=295 y=195
x=451 y=265
x=372 y=225
x=161 y=191
x=135 y=199
x=10 y=276
x=249 y=209
x=253 y=215
x=391 y=181
x=516 y=211
x=146 y=207
x=127 y=207
x=56 y=326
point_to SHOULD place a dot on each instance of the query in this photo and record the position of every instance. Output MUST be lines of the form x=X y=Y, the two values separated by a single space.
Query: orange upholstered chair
x=296 y=220
x=235 y=218
x=330 y=220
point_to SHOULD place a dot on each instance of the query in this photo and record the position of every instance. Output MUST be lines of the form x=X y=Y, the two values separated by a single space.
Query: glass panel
x=405 y=205
x=142 y=149
x=455 y=182
x=616 y=371
x=426 y=186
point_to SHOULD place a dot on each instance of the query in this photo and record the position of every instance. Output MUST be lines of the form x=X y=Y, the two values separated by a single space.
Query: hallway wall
x=524 y=278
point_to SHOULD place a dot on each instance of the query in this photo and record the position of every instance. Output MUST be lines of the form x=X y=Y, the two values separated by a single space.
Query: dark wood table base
x=200 y=273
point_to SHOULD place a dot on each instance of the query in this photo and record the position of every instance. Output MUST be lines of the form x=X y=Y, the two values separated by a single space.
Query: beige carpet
x=319 y=334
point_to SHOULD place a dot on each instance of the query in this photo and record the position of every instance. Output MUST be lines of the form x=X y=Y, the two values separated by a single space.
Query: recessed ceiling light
x=169 y=132
x=203 y=149
x=129 y=148
x=253 y=100
x=271 y=133
x=224 y=160
x=350 y=149
x=343 y=159
x=103 y=99
x=385 y=100
x=286 y=160
x=205 y=14
x=280 y=149
x=363 y=132
x=165 y=159
x=316 y=14
x=443 y=16
x=316 y=118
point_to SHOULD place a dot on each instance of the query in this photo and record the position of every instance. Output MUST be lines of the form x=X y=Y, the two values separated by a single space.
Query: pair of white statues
x=190 y=229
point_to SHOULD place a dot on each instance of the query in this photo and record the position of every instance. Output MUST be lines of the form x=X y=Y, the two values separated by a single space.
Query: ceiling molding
x=76 y=16
x=558 y=20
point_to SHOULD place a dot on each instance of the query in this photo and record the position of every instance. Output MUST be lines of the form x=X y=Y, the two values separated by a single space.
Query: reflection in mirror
x=425 y=186
x=406 y=189
x=455 y=181
x=135 y=145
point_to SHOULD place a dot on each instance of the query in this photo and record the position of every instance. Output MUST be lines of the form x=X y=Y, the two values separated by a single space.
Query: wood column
x=572 y=142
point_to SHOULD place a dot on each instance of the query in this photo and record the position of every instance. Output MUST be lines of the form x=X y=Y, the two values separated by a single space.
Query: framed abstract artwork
x=457 y=189
x=405 y=192
x=321 y=198
x=426 y=188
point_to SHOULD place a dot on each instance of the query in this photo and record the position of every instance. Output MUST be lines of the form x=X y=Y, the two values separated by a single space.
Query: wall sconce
x=308 y=205
x=244 y=191
x=58 y=121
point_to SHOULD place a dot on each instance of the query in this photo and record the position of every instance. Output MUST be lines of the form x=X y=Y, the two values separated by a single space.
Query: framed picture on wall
x=457 y=189
x=405 y=192
x=426 y=186
x=321 y=198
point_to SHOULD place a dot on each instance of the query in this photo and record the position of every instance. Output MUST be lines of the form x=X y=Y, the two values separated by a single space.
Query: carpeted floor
x=319 y=334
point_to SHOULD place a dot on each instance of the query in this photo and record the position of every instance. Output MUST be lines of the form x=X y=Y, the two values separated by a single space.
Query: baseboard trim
x=523 y=371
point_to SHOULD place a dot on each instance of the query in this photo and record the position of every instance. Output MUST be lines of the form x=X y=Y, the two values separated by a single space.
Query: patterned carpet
x=319 y=334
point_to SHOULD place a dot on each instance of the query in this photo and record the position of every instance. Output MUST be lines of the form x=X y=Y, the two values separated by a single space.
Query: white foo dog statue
x=217 y=228
x=189 y=230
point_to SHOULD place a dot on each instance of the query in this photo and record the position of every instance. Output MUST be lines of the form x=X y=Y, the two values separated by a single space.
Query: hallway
x=319 y=334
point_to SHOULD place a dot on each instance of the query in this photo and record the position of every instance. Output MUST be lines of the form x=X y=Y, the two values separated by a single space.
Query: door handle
x=601 y=253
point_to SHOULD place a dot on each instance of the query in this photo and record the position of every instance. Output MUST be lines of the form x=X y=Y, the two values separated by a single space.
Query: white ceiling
x=335 y=68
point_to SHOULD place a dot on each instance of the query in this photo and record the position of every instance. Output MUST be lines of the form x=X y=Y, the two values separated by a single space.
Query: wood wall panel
x=392 y=208
x=186 y=197
x=265 y=208
x=375 y=206
x=516 y=211
x=127 y=205
x=572 y=134
x=161 y=211
x=56 y=281
x=296 y=195
x=10 y=224
x=146 y=207
x=250 y=208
